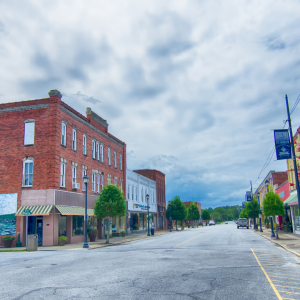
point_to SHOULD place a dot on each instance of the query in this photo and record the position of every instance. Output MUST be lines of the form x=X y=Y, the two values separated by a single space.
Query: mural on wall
x=8 y=208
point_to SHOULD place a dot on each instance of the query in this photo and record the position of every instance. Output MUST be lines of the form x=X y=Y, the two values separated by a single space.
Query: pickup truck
x=242 y=222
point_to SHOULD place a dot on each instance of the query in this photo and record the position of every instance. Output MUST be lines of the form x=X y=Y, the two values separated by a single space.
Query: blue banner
x=282 y=144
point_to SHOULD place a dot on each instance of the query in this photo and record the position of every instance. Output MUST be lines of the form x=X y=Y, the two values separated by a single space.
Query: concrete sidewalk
x=288 y=241
x=100 y=243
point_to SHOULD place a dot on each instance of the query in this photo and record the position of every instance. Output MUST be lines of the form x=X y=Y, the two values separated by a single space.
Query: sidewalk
x=99 y=243
x=288 y=241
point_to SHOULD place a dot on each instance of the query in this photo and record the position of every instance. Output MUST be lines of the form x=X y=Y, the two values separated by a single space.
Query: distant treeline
x=225 y=213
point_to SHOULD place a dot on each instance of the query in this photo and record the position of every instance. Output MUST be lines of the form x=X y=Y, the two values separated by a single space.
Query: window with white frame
x=93 y=149
x=101 y=153
x=63 y=133
x=98 y=183
x=132 y=192
x=97 y=151
x=108 y=154
x=116 y=182
x=121 y=162
x=74 y=138
x=62 y=174
x=128 y=193
x=93 y=182
x=27 y=172
x=29 y=132
x=142 y=195
x=136 y=194
x=84 y=144
x=101 y=181
x=115 y=159
x=153 y=197
x=121 y=185
x=83 y=184
x=74 y=169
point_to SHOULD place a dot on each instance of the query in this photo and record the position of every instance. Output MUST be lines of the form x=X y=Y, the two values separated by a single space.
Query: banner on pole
x=248 y=196
x=282 y=144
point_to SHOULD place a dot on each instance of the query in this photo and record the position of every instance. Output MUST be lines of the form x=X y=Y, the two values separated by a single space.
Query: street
x=213 y=262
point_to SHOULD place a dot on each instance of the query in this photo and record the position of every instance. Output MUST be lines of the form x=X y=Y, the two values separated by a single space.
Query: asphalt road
x=217 y=262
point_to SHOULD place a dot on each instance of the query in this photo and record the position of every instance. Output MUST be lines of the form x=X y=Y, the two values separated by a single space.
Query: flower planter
x=61 y=243
x=123 y=234
x=7 y=243
x=92 y=237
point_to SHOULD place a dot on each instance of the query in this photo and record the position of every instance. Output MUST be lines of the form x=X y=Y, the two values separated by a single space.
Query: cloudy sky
x=193 y=87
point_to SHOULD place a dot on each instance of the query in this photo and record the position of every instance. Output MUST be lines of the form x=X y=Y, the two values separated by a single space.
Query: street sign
x=282 y=144
x=27 y=212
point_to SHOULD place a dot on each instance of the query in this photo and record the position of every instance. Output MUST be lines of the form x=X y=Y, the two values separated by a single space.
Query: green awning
x=41 y=210
x=290 y=199
x=74 y=211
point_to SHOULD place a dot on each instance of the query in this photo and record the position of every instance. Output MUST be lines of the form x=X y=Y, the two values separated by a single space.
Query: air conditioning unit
x=76 y=185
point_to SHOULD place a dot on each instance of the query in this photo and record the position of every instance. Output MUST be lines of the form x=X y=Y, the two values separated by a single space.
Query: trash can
x=32 y=242
x=152 y=231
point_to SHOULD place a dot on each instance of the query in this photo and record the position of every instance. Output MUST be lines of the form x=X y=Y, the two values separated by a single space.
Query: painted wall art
x=8 y=208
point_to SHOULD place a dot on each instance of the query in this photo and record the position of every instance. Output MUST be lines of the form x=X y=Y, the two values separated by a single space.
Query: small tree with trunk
x=205 y=215
x=177 y=209
x=273 y=206
x=110 y=203
x=249 y=209
x=244 y=213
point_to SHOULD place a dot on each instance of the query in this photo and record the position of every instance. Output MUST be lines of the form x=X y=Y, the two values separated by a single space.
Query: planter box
x=92 y=237
x=7 y=243
x=61 y=243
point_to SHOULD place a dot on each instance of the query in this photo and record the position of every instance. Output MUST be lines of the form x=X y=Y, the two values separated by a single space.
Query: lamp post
x=170 y=217
x=271 y=219
x=147 y=197
x=85 y=181
x=260 y=230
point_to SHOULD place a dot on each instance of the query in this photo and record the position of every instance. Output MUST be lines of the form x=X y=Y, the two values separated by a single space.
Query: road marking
x=289 y=298
x=291 y=287
x=286 y=274
x=279 y=276
x=286 y=281
x=193 y=238
x=270 y=281
x=289 y=293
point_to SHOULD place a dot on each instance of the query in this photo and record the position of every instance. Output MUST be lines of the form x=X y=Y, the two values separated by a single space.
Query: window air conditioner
x=76 y=185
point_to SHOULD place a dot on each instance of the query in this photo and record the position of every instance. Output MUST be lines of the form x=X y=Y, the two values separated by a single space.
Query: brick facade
x=47 y=150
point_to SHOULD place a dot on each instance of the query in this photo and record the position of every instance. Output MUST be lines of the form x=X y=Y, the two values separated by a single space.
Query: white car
x=212 y=223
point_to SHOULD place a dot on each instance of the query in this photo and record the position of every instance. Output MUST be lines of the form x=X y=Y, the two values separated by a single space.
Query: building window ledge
x=28 y=145
x=63 y=145
x=26 y=186
x=63 y=187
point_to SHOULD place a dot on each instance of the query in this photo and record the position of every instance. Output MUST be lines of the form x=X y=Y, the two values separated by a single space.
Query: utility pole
x=293 y=150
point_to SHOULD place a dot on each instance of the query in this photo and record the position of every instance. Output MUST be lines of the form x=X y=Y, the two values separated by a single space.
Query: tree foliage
x=110 y=203
x=244 y=213
x=205 y=215
x=273 y=206
x=176 y=209
x=249 y=209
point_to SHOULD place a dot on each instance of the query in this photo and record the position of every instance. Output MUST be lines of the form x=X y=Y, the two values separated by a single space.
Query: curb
x=284 y=247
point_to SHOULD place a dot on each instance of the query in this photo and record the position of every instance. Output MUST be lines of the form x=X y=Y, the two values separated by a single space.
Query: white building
x=138 y=187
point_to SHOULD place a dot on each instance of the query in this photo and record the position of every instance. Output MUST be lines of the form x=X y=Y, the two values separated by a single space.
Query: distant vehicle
x=242 y=222
x=212 y=223
x=226 y=222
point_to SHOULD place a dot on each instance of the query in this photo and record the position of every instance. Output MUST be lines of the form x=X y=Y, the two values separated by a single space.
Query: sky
x=194 y=88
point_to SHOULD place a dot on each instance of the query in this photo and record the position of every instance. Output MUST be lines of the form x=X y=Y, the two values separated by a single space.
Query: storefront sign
x=143 y=207
x=282 y=144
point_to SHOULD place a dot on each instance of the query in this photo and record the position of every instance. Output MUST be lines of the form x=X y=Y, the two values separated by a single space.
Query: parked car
x=242 y=222
x=212 y=223
x=226 y=222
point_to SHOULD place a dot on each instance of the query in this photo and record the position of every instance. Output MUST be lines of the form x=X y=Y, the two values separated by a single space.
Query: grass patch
x=13 y=250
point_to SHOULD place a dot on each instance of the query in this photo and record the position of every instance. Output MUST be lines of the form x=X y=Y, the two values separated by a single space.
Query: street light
x=170 y=217
x=85 y=181
x=272 y=231
x=260 y=230
x=147 y=197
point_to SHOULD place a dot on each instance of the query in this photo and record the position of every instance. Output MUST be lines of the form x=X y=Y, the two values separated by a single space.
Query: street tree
x=249 y=209
x=109 y=204
x=205 y=215
x=193 y=212
x=273 y=206
x=177 y=209
x=244 y=213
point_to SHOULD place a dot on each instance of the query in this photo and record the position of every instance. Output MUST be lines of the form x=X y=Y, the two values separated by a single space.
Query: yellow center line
x=193 y=238
x=270 y=281
x=286 y=281
x=291 y=287
x=285 y=274
x=289 y=293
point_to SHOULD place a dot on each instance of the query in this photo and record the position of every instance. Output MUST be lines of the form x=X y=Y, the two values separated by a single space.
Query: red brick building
x=159 y=177
x=45 y=149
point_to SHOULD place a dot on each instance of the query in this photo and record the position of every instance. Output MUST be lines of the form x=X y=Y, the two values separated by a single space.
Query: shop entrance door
x=39 y=230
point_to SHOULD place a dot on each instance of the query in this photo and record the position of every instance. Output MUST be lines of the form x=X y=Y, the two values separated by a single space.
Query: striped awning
x=290 y=200
x=41 y=210
x=74 y=211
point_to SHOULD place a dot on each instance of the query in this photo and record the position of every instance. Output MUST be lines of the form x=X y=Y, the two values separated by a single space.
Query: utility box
x=32 y=240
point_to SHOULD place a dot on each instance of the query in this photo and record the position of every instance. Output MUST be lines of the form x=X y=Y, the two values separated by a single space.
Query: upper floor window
x=115 y=159
x=97 y=151
x=136 y=194
x=63 y=133
x=62 y=174
x=108 y=154
x=74 y=177
x=93 y=182
x=128 y=193
x=142 y=195
x=27 y=172
x=101 y=153
x=74 y=137
x=101 y=181
x=93 y=149
x=98 y=183
x=29 y=132
x=121 y=167
x=116 y=182
x=84 y=144
x=121 y=185
x=132 y=192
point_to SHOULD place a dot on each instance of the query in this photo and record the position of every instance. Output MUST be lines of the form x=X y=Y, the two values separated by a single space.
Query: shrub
x=62 y=238
x=93 y=231
x=8 y=238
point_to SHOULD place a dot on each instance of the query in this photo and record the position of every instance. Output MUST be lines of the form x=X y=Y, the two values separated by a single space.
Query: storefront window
x=115 y=224
x=134 y=221
x=142 y=223
x=296 y=218
x=78 y=225
x=121 y=223
x=62 y=225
